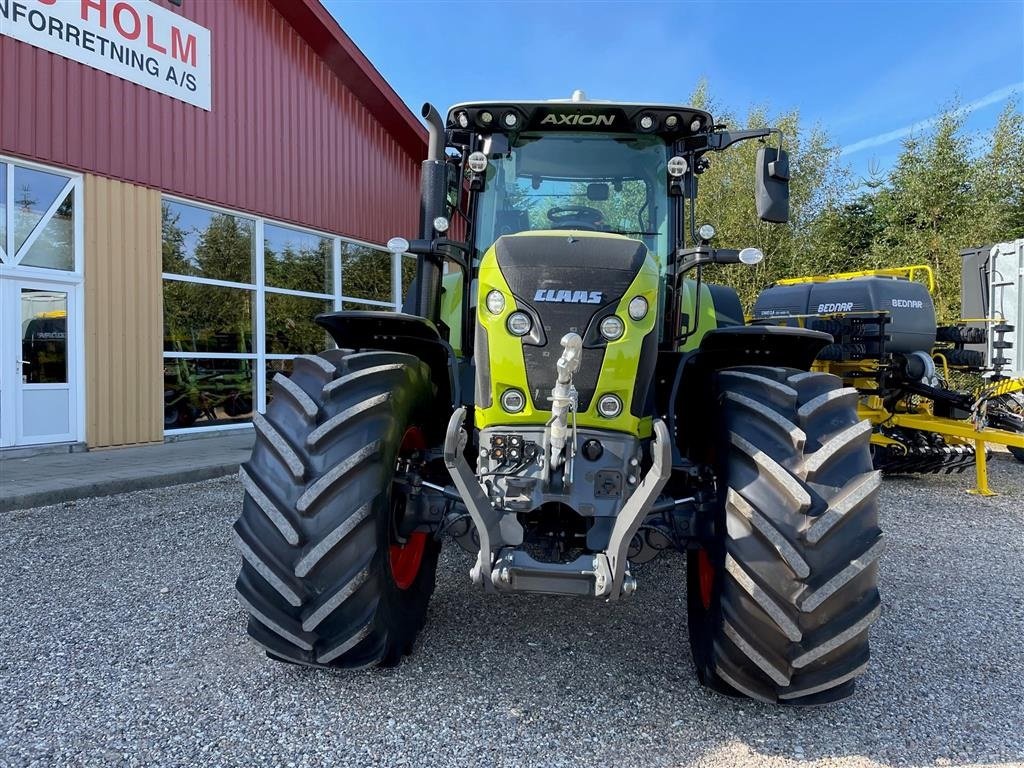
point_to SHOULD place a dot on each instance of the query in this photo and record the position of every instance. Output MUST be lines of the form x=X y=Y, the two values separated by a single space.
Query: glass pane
x=207 y=318
x=206 y=243
x=290 y=326
x=408 y=275
x=358 y=306
x=44 y=336
x=275 y=367
x=365 y=272
x=3 y=209
x=202 y=393
x=297 y=260
x=34 y=193
x=55 y=246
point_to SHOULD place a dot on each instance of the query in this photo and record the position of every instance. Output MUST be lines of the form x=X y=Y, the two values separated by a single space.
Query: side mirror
x=771 y=185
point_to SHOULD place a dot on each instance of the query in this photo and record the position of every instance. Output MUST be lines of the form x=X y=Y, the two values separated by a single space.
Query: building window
x=37 y=218
x=235 y=315
x=209 y=295
x=3 y=211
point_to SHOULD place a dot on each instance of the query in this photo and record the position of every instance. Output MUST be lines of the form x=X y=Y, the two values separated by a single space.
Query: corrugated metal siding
x=285 y=139
x=123 y=314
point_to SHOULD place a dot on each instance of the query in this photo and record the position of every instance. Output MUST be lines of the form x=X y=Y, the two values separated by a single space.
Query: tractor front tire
x=781 y=599
x=324 y=577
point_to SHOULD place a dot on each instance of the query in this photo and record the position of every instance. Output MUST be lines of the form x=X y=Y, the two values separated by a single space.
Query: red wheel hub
x=706 y=577
x=405 y=558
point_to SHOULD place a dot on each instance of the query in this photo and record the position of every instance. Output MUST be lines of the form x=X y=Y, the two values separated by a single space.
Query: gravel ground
x=123 y=645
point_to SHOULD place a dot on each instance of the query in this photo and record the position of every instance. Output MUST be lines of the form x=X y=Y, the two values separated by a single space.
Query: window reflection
x=290 y=326
x=365 y=273
x=3 y=210
x=206 y=243
x=297 y=260
x=44 y=336
x=202 y=318
x=207 y=318
x=34 y=193
x=203 y=392
x=54 y=248
x=408 y=274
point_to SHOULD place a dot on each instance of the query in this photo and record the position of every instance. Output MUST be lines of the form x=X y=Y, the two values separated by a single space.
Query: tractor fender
x=690 y=411
x=399 y=332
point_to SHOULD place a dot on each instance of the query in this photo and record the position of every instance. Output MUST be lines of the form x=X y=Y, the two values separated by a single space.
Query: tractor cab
x=575 y=165
x=582 y=168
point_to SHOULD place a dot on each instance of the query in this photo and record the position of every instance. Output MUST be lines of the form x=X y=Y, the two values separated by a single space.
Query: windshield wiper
x=630 y=232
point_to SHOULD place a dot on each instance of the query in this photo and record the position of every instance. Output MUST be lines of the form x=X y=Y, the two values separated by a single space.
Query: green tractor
x=567 y=398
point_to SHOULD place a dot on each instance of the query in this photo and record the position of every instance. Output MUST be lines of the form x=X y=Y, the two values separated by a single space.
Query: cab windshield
x=605 y=183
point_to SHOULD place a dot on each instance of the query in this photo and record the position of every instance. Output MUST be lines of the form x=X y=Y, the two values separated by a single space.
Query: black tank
x=912 y=314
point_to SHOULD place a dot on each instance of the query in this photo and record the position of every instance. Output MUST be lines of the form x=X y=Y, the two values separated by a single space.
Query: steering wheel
x=576 y=217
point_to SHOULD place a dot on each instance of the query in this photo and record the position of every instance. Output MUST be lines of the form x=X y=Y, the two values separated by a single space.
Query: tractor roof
x=579 y=114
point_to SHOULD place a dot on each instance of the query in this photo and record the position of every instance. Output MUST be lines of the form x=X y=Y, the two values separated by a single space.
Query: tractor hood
x=568 y=282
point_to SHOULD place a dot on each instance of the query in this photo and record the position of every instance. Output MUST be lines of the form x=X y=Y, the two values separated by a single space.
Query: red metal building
x=183 y=185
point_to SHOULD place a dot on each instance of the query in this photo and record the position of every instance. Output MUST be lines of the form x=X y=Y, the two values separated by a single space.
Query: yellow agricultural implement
x=883 y=324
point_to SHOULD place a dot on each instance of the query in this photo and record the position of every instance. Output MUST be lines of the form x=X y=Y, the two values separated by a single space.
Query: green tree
x=928 y=209
x=726 y=198
x=999 y=180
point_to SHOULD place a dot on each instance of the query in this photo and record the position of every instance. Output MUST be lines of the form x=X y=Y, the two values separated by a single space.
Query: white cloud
x=884 y=138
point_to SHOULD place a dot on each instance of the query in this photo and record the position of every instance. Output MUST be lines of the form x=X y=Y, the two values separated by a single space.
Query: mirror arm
x=723 y=139
x=433 y=249
x=688 y=258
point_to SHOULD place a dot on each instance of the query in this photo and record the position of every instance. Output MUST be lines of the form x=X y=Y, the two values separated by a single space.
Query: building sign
x=133 y=39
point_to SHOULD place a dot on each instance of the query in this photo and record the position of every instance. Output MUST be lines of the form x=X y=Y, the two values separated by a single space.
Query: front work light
x=612 y=327
x=638 y=308
x=495 y=302
x=706 y=232
x=477 y=162
x=519 y=323
x=677 y=166
x=512 y=400
x=609 y=406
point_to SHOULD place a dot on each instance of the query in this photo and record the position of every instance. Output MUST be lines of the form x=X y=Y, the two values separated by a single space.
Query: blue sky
x=865 y=71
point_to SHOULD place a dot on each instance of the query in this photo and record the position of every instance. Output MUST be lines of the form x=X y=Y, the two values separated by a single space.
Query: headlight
x=677 y=166
x=512 y=400
x=612 y=327
x=495 y=302
x=519 y=323
x=609 y=406
x=477 y=162
x=441 y=224
x=638 y=308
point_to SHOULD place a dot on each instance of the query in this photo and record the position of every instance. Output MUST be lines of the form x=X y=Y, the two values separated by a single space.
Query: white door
x=38 y=398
